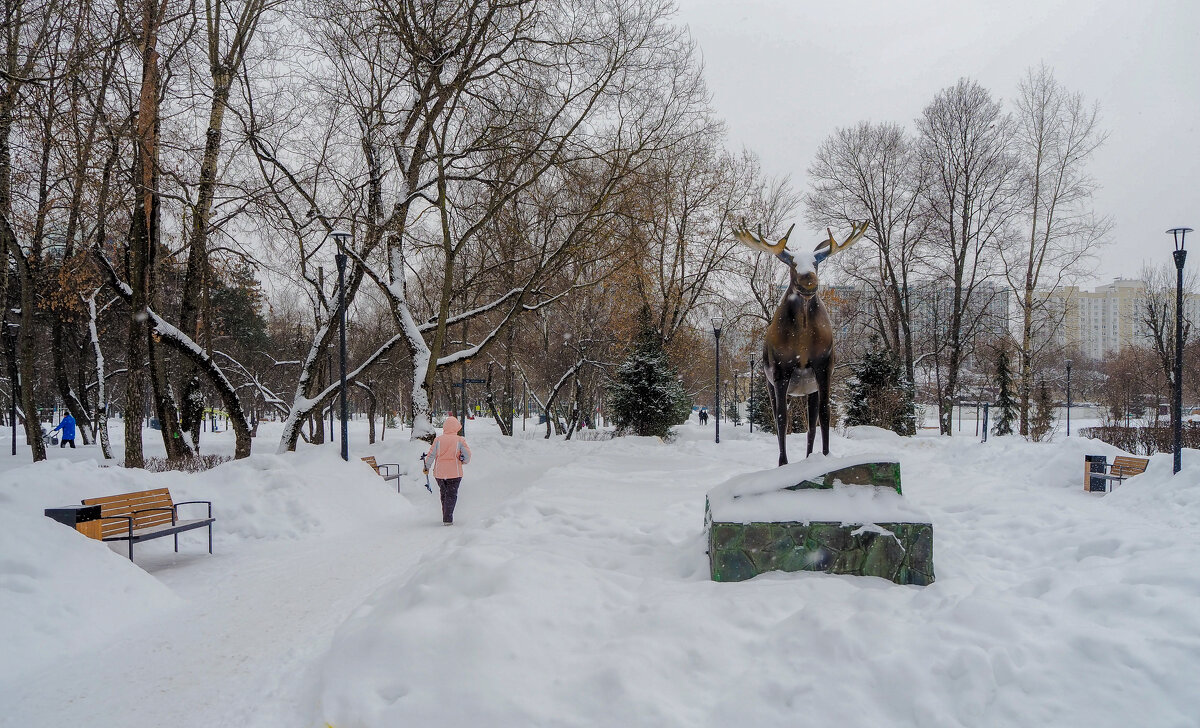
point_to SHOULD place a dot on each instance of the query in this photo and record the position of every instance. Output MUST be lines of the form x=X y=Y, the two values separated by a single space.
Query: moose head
x=798 y=350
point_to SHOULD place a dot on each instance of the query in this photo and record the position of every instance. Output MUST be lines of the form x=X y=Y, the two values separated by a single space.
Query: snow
x=760 y=496
x=574 y=591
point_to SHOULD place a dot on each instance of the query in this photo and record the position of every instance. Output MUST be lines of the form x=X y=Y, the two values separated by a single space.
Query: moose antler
x=749 y=239
x=831 y=246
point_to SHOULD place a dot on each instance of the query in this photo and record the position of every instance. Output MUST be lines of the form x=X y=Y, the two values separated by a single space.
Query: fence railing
x=1144 y=440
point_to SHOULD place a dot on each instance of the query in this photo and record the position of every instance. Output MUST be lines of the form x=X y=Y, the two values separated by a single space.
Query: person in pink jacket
x=448 y=453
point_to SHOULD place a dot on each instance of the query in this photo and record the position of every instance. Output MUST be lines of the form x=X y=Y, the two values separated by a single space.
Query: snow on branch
x=254 y=382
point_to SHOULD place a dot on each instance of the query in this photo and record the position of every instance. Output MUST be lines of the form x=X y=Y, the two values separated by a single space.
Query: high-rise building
x=1100 y=323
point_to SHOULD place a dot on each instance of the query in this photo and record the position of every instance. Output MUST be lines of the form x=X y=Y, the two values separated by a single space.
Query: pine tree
x=647 y=398
x=760 y=405
x=1042 y=423
x=1006 y=405
x=880 y=394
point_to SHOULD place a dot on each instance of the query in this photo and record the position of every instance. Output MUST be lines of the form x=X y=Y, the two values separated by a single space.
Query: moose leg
x=823 y=392
x=778 y=392
x=812 y=422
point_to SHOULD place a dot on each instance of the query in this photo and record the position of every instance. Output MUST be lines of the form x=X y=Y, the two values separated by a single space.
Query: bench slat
x=125 y=504
x=140 y=534
x=156 y=494
x=1127 y=467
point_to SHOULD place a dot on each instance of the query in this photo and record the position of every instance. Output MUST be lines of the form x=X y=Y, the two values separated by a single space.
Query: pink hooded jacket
x=449 y=452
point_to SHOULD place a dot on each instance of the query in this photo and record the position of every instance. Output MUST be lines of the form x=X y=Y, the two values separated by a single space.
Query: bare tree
x=966 y=143
x=1156 y=314
x=872 y=172
x=1056 y=133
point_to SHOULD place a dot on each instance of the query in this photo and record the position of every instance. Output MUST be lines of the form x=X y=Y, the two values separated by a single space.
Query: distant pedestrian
x=704 y=415
x=68 y=431
x=448 y=453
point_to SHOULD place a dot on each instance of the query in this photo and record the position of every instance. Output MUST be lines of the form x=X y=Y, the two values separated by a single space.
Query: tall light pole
x=1068 y=397
x=1178 y=234
x=717 y=321
x=341 y=236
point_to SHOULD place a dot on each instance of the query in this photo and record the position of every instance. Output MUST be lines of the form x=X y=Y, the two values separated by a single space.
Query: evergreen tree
x=647 y=398
x=760 y=405
x=880 y=394
x=1006 y=405
x=1042 y=422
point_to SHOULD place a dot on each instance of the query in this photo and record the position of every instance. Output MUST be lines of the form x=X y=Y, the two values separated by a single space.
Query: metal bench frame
x=384 y=470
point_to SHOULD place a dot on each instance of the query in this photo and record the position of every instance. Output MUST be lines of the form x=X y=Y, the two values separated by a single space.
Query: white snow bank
x=761 y=496
x=1171 y=498
x=61 y=592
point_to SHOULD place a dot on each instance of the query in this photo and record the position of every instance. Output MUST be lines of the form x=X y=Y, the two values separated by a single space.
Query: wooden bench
x=384 y=470
x=1122 y=467
x=145 y=515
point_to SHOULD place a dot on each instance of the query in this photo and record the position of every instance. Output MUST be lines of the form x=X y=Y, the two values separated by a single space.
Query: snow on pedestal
x=837 y=515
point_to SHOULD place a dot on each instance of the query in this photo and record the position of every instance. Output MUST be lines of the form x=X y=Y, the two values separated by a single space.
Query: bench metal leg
x=210 y=538
x=131 y=549
x=176 y=543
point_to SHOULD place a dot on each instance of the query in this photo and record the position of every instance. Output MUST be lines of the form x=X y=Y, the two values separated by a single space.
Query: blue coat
x=67 y=426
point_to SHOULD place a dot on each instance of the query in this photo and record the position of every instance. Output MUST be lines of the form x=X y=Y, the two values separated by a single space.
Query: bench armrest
x=170 y=510
x=184 y=503
x=382 y=468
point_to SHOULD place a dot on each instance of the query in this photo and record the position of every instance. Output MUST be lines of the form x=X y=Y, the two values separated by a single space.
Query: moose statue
x=798 y=351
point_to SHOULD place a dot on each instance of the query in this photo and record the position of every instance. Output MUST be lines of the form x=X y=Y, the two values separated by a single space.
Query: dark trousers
x=449 y=488
x=64 y=443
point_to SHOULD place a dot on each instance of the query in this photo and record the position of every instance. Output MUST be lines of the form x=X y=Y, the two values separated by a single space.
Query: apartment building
x=1100 y=323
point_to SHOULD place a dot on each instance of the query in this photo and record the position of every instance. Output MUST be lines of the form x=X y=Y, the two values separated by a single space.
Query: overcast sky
x=785 y=75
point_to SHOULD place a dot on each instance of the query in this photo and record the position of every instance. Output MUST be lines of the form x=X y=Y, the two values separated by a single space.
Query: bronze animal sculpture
x=798 y=347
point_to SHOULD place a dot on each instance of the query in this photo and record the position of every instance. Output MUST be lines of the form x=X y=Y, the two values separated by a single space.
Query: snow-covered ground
x=573 y=591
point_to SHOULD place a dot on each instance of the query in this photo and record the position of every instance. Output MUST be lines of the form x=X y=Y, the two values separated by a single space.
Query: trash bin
x=84 y=519
x=1095 y=464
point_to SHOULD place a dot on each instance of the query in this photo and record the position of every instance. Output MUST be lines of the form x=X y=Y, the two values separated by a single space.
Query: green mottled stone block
x=885 y=475
x=899 y=552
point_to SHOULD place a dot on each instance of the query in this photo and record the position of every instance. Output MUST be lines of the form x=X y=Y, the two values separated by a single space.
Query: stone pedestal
x=837 y=515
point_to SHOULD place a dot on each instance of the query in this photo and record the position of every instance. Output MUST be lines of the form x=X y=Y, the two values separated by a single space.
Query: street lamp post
x=341 y=236
x=716 y=324
x=1180 y=254
x=1068 y=397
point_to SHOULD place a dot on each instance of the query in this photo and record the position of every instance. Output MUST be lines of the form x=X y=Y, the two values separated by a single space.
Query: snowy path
x=255 y=617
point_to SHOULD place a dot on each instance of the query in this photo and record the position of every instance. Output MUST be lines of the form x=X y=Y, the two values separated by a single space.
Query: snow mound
x=61 y=592
x=865 y=433
x=762 y=496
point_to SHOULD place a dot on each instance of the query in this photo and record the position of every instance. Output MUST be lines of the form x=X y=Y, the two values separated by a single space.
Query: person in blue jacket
x=68 y=431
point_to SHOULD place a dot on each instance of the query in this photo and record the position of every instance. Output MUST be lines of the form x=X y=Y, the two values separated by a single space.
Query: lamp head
x=1179 y=234
x=717 y=322
x=341 y=236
